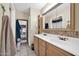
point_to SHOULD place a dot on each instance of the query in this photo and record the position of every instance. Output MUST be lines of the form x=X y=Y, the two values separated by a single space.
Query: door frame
x=26 y=28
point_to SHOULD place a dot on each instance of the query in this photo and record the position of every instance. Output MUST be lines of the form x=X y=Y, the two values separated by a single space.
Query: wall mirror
x=58 y=17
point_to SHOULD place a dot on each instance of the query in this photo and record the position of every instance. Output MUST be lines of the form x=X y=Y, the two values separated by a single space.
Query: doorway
x=22 y=31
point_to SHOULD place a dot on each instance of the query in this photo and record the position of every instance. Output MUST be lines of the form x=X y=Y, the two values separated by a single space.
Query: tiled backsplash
x=64 y=33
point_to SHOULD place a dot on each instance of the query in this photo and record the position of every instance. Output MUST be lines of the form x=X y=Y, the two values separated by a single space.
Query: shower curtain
x=8 y=45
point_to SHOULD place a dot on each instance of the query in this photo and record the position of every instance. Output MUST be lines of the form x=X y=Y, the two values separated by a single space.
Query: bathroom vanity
x=53 y=45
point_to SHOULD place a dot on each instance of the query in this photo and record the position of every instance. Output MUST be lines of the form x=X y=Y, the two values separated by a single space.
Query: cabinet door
x=52 y=51
x=42 y=48
x=36 y=45
x=55 y=51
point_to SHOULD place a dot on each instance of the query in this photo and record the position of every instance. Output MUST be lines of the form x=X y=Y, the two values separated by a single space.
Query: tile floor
x=25 y=50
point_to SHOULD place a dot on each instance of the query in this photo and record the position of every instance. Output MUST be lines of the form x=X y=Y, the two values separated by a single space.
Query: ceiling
x=25 y=6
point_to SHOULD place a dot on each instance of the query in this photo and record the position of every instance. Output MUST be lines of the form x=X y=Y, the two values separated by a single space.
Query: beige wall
x=33 y=24
x=21 y=15
x=13 y=18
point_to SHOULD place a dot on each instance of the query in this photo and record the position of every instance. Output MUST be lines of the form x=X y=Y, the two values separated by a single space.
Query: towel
x=8 y=45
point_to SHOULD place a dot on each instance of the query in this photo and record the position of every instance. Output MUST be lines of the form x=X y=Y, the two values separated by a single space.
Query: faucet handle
x=60 y=38
x=65 y=39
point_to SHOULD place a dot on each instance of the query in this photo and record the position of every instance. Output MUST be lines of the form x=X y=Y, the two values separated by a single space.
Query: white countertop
x=71 y=45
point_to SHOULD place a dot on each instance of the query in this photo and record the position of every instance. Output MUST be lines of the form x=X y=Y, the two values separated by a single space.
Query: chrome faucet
x=62 y=38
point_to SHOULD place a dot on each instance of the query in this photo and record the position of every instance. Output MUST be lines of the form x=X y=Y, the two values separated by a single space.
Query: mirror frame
x=72 y=19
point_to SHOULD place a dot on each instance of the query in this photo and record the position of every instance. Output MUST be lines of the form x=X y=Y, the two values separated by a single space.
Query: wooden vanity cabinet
x=42 y=48
x=36 y=48
x=55 y=51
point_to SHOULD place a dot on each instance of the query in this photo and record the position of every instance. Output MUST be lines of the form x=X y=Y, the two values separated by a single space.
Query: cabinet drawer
x=42 y=42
